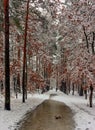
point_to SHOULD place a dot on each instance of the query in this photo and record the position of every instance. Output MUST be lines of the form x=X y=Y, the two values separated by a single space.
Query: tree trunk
x=78 y=88
x=24 y=57
x=26 y=82
x=85 y=92
x=87 y=44
x=81 y=91
x=73 y=89
x=7 y=64
x=92 y=44
x=91 y=95
x=69 y=87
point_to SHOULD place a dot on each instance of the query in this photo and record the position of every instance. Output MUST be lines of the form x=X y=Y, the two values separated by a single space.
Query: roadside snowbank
x=9 y=119
x=84 y=115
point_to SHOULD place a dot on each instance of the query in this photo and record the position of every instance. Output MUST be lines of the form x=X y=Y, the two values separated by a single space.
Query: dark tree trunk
x=92 y=45
x=7 y=64
x=85 y=92
x=24 y=57
x=87 y=43
x=73 y=89
x=64 y=87
x=81 y=91
x=91 y=95
x=26 y=82
x=69 y=89
x=18 y=82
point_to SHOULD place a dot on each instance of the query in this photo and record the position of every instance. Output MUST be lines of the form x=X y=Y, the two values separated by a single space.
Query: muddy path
x=50 y=115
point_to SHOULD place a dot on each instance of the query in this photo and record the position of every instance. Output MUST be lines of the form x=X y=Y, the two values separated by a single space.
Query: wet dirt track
x=50 y=115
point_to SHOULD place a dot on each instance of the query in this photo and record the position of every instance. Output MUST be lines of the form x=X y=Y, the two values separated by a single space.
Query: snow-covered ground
x=84 y=116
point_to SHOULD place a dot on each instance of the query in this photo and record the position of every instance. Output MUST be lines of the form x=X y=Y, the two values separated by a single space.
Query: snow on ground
x=9 y=119
x=84 y=116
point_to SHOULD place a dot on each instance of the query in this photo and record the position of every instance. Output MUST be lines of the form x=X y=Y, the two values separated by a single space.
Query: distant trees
x=77 y=30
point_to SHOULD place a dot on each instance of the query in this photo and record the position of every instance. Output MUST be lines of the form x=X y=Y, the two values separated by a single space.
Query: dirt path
x=50 y=115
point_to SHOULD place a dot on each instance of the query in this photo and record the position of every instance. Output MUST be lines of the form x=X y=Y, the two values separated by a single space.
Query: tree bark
x=7 y=64
x=73 y=89
x=87 y=44
x=91 y=95
x=92 y=44
x=24 y=56
x=81 y=91
x=26 y=82
x=85 y=92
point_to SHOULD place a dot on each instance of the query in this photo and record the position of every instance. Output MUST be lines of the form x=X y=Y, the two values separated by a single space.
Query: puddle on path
x=50 y=115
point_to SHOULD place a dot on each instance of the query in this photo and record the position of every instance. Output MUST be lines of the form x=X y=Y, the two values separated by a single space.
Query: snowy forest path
x=50 y=115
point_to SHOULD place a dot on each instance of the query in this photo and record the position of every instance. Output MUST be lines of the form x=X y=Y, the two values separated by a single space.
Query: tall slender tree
x=24 y=56
x=7 y=64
